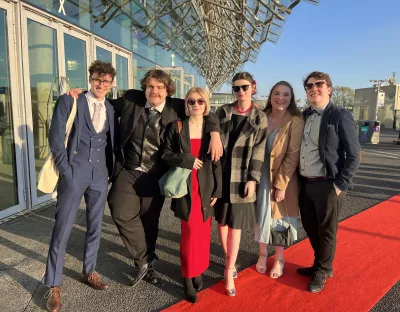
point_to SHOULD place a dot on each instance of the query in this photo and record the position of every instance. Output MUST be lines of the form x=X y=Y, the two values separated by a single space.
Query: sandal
x=229 y=292
x=277 y=272
x=261 y=266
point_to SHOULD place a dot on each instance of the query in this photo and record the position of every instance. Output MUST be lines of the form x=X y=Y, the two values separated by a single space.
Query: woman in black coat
x=186 y=146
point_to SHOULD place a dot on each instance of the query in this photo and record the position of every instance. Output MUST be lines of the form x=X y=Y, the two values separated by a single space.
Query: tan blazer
x=285 y=156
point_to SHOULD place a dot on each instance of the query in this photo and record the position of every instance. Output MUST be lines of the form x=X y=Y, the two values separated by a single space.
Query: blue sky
x=354 y=41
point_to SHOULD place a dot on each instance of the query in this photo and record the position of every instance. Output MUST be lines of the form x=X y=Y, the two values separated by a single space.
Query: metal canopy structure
x=216 y=36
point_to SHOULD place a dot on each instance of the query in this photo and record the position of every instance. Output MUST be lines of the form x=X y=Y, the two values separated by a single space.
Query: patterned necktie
x=96 y=116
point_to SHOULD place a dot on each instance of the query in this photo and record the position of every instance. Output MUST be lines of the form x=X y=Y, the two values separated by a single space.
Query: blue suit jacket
x=338 y=145
x=63 y=156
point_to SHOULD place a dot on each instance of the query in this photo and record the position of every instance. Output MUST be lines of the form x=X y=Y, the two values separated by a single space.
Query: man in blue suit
x=85 y=167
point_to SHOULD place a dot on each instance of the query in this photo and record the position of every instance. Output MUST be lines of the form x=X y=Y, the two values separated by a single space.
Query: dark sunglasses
x=193 y=101
x=318 y=84
x=237 y=88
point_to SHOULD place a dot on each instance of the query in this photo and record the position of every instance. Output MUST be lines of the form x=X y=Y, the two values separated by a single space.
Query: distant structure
x=380 y=102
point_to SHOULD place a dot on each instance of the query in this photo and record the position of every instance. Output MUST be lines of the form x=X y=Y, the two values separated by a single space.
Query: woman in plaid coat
x=243 y=135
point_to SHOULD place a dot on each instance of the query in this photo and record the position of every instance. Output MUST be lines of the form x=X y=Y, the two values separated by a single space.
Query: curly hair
x=160 y=76
x=102 y=68
x=320 y=76
x=292 y=108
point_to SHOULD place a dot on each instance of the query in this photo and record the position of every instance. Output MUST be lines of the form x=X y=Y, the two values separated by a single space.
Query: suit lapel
x=87 y=115
x=110 y=117
x=322 y=130
x=185 y=136
x=168 y=114
x=129 y=118
x=81 y=102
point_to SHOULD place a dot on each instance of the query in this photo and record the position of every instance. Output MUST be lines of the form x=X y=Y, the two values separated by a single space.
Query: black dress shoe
x=143 y=269
x=188 y=288
x=197 y=282
x=309 y=271
x=317 y=283
x=151 y=276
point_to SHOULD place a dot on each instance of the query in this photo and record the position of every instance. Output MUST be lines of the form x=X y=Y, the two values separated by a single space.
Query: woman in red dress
x=186 y=146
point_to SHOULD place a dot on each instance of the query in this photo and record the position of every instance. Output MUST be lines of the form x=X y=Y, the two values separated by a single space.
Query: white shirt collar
x=92 y=99
x=159 y=107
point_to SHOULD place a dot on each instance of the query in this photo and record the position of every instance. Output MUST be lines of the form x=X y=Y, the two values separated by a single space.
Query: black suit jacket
x=339 y=147
x=129 y=108
x=210 y=174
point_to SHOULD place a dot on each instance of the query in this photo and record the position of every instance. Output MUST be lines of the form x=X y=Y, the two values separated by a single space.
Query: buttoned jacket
x=63 y=156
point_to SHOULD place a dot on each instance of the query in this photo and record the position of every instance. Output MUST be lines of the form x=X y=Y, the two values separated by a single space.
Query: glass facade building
x=47 y=45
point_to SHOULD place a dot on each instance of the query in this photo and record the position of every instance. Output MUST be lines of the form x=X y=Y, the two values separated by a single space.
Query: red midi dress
x=195 y=234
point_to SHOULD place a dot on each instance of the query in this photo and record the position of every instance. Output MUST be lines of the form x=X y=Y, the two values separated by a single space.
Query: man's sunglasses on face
x=98 y=82
x=237 y=88
x=318 y=84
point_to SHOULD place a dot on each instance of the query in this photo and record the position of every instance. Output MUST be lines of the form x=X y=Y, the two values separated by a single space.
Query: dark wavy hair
x=292 y=108
x=102 y=68
x=320 y=76
x=160 y=76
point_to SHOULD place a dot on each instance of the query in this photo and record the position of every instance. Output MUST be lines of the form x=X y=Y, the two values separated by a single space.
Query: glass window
x=164 y=58
x=143 y=45
x=8 y=181
x=74 y=11
x=103 y=55
x=142 y=67
x=43 y=76
x=113 y=21
x=75 y=61
x=122 y=73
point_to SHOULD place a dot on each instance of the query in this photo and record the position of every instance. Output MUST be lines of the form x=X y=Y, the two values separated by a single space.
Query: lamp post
x=378 y=84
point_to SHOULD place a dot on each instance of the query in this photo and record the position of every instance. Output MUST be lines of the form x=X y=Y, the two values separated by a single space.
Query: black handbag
x=281 y=238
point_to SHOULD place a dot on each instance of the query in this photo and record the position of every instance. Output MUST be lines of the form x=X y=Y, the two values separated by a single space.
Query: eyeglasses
x=237 y=88
x=98 y=81
x=318 y=84
x=200 y=101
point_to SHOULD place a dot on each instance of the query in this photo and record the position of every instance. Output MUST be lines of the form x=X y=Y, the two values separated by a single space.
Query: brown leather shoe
x=93 y=279
x=53 y=299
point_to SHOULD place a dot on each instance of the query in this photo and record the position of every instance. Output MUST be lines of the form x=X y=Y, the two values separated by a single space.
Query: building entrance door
x=56 y=58
x=12 y=187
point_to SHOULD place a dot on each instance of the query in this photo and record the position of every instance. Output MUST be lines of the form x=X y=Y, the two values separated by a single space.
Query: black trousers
x=319 y=208
x=135 y=203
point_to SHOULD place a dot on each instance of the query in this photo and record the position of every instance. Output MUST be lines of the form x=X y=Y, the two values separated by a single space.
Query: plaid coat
x=248 y=151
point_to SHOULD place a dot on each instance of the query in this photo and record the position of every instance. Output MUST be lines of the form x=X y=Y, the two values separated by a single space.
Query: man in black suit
x=329 y=159
x=134 y=199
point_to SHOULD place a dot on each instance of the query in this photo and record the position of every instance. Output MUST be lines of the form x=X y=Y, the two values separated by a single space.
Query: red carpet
x=365 y=268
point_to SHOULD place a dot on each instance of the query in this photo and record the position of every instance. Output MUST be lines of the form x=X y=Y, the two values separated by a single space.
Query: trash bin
x=368 y=131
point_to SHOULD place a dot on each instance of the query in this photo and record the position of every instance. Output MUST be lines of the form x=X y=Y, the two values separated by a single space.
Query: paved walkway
x=24 y=243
